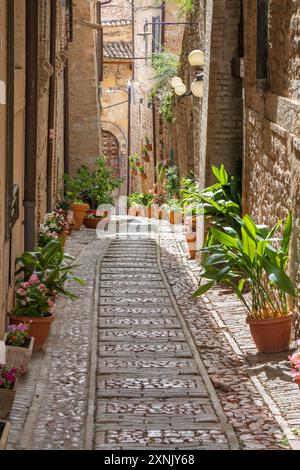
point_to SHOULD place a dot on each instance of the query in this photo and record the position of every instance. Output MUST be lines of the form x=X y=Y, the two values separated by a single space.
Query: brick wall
x=85 y=129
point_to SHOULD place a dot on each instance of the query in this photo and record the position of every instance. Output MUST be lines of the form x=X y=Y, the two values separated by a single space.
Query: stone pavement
x=137 y=363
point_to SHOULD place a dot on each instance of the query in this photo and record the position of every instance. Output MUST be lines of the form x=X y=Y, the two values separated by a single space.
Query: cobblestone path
x=152 y=388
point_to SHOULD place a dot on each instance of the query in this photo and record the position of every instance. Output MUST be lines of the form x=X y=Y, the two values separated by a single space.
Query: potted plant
x=145 y=156
x=73 y=189
x=19 y=347
x=4 y=432
x=34 y=303
x=256 y=259
x=148 y=145
x=8 y=384
x=173 y=207
x=158 y=200
x=295 y=363
x=133 y=163
x=141 y=170
x=55 y=226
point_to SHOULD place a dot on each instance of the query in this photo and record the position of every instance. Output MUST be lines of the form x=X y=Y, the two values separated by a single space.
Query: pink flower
x=25 y=285
x=23 y=302
x=33 y=279
x=42 y=287
x=21 y=292
x=51 y=303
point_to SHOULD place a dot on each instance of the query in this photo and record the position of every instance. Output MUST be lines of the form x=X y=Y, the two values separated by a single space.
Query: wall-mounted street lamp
x=196 y=59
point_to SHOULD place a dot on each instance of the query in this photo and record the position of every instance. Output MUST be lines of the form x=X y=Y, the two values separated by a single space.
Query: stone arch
x=120 y=135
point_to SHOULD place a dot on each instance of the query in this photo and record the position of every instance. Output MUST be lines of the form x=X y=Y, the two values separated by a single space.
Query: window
x=156 y=35
x=262 y=38
x=70 y=20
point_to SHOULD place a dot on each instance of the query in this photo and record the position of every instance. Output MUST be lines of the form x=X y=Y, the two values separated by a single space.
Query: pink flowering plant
x=295 y=363
x=7 y=377
x=17 y=335
x=54 y=223
x=33 y=298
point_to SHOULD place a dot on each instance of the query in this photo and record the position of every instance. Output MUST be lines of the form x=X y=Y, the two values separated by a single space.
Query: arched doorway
x=111 y=150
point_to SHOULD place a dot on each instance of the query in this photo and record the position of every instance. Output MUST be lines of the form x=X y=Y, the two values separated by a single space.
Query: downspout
x=51 y=114
x=129 y=138
x=32 y=21
x=66 y=119
x=154 y=138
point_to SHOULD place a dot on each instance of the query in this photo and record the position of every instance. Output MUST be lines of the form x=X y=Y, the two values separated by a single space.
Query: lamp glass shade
x=180 y=89
x=196 y=58
x=176 y=81
x=197 y=88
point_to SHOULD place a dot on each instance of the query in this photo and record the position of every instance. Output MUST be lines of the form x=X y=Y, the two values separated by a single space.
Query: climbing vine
x=165 y=66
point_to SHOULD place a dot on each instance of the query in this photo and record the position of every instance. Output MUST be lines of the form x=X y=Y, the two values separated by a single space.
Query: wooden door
x=111 y=150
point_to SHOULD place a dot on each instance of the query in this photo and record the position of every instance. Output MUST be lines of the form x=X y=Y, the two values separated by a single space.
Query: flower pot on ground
x=256 y=257
x=191 y=241
x=149 y=212
x=8 y=383
x=79 y=211
x=92 y=221
x=39 y=327
x=4 y=432
x=19 y=347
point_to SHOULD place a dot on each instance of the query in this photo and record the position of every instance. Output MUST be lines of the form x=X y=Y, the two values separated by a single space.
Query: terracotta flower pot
x=297 y=381
x=38 y=328
x=19 y=357
x=91 y=222
x=79 y=211
x=148 y=147
x=143 y=176
x=4 y=431
x=172 y=217
x=7 y=400
x=149 y=212
x=191 y=241
x=271 y=335
x=132 y=211
x=146 y=158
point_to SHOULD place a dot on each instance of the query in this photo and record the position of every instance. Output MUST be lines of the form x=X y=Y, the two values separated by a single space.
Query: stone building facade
x=117 y=73
x=84 y=85
x=152 y=34
x=33 y=51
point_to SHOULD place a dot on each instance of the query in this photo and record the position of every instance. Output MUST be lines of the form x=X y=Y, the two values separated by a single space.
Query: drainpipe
x=51 y=106
x=32 y=21
x=129 y=138
x=66 y=119
x=154 y=138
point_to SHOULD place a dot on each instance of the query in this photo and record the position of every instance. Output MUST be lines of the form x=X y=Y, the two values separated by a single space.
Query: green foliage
x=172 y=182
x=165 y=65
x=51 y=265
x=133 y=159
x=92 y=187
x=161 y=168
x=252 y=257
x=140 y=199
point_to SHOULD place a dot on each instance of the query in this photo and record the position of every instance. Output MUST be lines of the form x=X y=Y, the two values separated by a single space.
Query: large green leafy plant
x=92 y=187
x=252 y=257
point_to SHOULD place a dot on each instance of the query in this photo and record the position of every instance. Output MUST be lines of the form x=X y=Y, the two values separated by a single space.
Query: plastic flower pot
x=191 y=241
x=271 y=335
x=79 y=211
x=39 y=327
x=7 y=397
x=19 y=357
x=4 y=432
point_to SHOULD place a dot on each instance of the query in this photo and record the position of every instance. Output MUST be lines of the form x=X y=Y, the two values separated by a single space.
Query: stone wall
x=272 y=123
x=85 y=129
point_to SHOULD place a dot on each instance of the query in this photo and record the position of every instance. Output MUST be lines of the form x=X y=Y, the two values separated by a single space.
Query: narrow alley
x=150 y=227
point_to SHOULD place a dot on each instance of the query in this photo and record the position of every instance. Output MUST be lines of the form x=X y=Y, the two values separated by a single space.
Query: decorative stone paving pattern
x=152 y=383
x=131 y=270
x=109 y=322
x=134 y=407
x=141 y=334
x=132 y=275
x=128 y=311
x=168 y=349
x=126 y=363
x=157 y=436
x=134 y=300
x=130 y=291
x=123 y=284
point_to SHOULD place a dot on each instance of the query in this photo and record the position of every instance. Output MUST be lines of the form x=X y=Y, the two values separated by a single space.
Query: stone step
x=128 y=311
x=129 y=291
x=123 y=284
x=136 y=301
x=132 y=275
x=141 y=366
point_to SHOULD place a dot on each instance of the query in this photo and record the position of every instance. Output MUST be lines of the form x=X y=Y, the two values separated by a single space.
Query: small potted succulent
x=133 y=163
x=148 y=145
x=19 y=347
x=35 y=304
x=141 y=170
x=145 y=155
x=4 y=432
x=8 y=384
